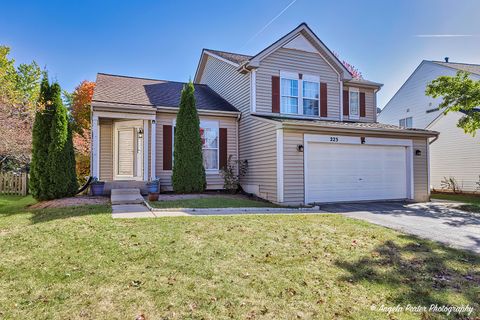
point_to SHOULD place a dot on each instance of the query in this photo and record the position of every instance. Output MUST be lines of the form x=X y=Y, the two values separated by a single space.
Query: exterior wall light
x=300 y=147
x=418 y=152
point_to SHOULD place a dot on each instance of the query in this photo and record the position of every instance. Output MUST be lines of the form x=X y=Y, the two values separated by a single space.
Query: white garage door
x=344 y=172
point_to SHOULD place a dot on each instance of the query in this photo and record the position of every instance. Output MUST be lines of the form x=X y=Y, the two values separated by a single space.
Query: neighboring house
x=454 y=154
x=293 y=111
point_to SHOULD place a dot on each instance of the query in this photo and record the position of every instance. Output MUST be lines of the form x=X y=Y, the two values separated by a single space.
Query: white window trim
x=211 y=123
x=316 y=80
x=350 y=115
x=305 y=77
x=290 y=76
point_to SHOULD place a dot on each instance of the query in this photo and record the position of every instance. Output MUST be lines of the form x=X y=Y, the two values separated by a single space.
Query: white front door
x=128 y=150
x=355 y=172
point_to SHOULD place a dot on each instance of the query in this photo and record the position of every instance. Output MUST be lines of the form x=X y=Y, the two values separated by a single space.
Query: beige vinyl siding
x=224 y=79
x=293 y=163
x=454 y=154
x=297 y=62
x=420 y=171
x=258 y=145
x=370 y=105
x=106 y=150
x=257 y=139
x=293 y=168
x=214 y=180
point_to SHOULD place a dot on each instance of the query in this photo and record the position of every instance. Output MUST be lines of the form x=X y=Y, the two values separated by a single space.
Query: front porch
x=124 y=148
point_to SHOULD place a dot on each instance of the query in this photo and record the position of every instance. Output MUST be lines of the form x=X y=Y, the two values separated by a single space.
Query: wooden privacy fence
x=13 y=183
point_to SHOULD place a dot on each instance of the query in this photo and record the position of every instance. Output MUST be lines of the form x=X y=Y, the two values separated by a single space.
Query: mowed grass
x=79 y=263
x=472 y=201
x=212 y=202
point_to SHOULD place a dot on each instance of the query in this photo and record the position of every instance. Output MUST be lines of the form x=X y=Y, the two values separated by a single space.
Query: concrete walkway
x=131 y=211
x=438 y=221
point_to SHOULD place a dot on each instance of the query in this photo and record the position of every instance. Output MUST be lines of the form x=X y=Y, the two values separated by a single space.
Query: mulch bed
x=71 y=202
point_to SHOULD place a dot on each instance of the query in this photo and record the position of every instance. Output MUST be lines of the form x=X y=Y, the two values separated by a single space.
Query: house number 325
x=333 y=139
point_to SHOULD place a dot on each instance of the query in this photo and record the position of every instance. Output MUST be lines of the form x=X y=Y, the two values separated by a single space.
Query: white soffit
x=300 y=43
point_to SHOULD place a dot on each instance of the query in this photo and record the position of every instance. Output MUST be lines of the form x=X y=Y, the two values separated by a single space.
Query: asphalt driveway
x=437 y=221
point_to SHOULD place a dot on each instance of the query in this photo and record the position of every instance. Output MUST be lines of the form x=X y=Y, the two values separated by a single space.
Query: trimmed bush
x=188 y=171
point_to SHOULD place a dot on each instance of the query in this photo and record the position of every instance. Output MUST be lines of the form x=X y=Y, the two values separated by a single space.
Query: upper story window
x=406 y=122
x=299 y=96
x=311 y=95
x=354 y=103
x=289 y=90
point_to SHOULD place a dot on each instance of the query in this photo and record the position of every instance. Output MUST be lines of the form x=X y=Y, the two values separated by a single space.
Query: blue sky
x=163 y=39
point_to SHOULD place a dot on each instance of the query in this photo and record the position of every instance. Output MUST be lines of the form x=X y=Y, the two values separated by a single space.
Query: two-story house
x=454 y=154
x=307 y=129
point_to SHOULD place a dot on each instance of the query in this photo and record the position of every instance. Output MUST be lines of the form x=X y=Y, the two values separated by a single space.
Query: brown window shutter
x=275 y=94
x=223 y=148
x=362 y=104
x=346 y=102
x=323 y=100
x=167 y=147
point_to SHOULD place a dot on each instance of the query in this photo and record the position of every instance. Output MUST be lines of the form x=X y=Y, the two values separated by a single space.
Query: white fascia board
x=221 y=59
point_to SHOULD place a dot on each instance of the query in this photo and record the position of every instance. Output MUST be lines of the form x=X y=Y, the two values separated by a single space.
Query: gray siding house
x=453 y=154
x=307 y=128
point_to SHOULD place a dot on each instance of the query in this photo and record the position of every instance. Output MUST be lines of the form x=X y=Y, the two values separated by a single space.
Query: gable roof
x=237 y=58
x=468 y=67
x=125 y=90
x=304 y=29
x=248 y=61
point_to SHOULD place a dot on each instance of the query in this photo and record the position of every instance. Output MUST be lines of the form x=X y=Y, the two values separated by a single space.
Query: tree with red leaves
x=356 y=74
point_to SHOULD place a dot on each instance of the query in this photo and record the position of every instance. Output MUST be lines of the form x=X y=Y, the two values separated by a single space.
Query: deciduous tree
x=460 y=93
x=19 y=90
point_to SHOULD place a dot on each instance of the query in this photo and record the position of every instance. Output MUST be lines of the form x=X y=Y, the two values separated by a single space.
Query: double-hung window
x=209 y=133
x=299 y=96
x=406 y=122
x=289 y=92
x=354 y=103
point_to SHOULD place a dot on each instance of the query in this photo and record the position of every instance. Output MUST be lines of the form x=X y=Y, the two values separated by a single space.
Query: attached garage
x=344 y=168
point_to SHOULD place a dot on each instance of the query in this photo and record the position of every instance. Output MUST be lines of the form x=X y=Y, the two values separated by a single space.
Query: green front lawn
x=79 y=263
x=472 y=201
x=212 y=202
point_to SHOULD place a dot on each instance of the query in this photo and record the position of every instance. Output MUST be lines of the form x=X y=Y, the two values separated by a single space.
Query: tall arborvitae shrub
x=188 y=171
x=52 y=171
x=39 y=173
x=61 y=157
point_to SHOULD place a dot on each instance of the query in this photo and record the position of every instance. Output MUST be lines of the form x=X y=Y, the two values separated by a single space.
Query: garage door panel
x=342 y=172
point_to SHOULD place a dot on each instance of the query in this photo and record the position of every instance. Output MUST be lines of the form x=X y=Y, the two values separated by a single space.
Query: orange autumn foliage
x=80 y=111
x=80 y=107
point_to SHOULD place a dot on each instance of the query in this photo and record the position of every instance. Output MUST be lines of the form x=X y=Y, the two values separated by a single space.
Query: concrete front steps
x=126 y=196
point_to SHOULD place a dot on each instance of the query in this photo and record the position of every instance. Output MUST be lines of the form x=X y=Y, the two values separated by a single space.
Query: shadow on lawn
x=50 y=214
x=418 y=273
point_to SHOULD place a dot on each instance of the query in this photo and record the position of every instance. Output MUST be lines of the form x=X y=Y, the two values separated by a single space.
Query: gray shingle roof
x=349 y=125
x=150 y=92
x=230 y=56
x=472 y=68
